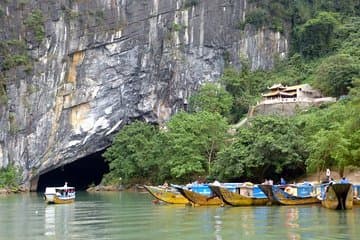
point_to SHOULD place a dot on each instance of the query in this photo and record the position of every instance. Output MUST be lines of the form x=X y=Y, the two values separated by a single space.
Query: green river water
x=125 y=215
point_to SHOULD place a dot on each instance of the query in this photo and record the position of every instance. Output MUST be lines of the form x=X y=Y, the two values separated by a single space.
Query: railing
x=290 y=100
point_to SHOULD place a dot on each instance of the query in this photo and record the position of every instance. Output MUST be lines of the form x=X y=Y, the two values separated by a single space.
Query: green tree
x=334 y=75
x=193 y=142
x=132 y=155
x=245 y=87
x=315 y=38
x=212 y=98
x=269 y=146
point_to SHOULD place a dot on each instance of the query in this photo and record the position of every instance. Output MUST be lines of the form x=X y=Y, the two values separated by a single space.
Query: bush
x=258 y=17
x=335 y=74
x=190 y=3
x=9 y=177
x=14 y=54
x=35 y=23
x=315 y=38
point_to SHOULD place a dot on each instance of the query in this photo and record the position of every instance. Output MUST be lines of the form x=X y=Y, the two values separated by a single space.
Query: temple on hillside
x=280 y=93
x=288 y=100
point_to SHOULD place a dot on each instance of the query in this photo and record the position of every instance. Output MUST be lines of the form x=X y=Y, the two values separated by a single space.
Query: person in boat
x=282 y=181
x=165 y=185
x=344 y=180
x=266 y=181
x=216 y=183
x=328 y=173
x=65 y=190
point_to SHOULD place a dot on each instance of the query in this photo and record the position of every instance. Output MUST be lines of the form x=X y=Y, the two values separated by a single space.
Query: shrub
x=9 y=177
x=258 y=17
x=315 y=38
x=35 y=23
x=190 y=3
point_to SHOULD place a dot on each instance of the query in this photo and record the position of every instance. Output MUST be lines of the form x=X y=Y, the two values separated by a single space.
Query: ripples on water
x=133 y=216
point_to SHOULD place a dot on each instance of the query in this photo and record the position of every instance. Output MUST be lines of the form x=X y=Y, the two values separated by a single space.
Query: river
x=129 y=215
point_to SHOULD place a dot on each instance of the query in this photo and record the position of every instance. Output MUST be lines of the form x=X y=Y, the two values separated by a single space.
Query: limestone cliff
x=91 y=66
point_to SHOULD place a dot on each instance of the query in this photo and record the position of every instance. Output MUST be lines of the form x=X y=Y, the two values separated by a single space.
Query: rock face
x=97 y=65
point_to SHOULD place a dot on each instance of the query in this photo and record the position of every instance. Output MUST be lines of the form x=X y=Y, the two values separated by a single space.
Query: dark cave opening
x=79 y=174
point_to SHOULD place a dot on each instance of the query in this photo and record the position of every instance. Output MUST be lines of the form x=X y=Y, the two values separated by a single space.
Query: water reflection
x=292 y=217
x=58 y=219
x=50 y=220
x=133 y=216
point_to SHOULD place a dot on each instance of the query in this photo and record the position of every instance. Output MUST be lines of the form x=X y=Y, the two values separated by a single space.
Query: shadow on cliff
x=81 y=173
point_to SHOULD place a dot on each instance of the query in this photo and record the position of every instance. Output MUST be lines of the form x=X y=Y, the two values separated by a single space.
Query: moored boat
x=166 y=194
x=199 y=199
x=59 y=195
x=267 y=189
x=285 y=198
x=236 y=199
x=338 y=196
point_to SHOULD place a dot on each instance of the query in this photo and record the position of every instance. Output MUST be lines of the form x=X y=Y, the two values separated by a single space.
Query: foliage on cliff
x=9 y=178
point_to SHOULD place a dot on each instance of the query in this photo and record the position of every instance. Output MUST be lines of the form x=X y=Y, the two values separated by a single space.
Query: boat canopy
x=55 y=189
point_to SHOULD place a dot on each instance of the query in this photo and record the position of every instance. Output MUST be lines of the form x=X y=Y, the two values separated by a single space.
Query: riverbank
x=352 y=175
x=5 y=191
x=112 y=188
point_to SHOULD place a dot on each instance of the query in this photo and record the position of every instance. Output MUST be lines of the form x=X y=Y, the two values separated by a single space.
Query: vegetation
x=9 y=178
x=188 y=147
x=190 y=3
x=14 y=54
x=212 y=98
x=335 y=74
x=35 y=24
x=177 y=27
x=268 y=147
x=132 y=155
x=315 y=38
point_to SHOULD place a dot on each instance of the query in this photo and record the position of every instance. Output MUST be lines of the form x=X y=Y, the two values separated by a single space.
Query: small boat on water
x=290 y=194
x=199 y=199
x=285 y=198
x=59 y=195
x=236 y=199
x=338 y=196
x=166 y=194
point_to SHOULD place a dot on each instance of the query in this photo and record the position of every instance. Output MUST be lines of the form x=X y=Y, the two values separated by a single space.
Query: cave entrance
x=79 y=174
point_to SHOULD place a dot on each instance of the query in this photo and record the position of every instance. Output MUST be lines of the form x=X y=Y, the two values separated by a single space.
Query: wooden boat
x=236 y=199
x=267 y=189
x=338 y=196
x=167 y=195
x=356 y=201
x=285 y=198
x=59 y=195
x=199 y=199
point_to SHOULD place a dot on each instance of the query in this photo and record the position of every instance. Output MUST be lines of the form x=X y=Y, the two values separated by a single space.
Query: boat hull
x=287 y=199
x=165 y=195
x=267 y=189
x=236 y=199
x=53 y=199
x=199 y=199
x=338 y=196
